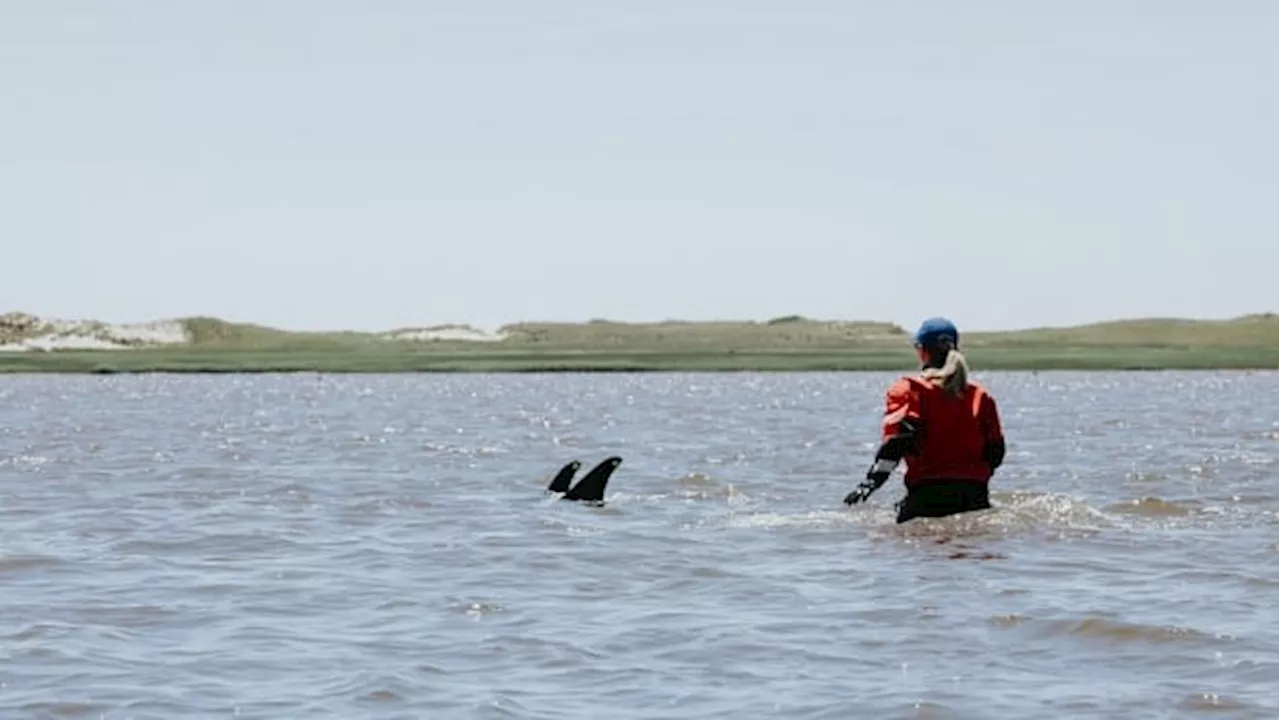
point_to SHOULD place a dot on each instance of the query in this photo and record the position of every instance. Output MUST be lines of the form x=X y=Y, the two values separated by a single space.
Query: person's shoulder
x=980 y=387
x=903 y=382
x=981 y=391
x=906 y=385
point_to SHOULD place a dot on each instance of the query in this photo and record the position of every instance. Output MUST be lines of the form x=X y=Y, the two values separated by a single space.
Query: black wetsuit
x=942 y=498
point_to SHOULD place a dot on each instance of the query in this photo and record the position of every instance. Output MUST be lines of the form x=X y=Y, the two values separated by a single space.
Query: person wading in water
x=944 y=426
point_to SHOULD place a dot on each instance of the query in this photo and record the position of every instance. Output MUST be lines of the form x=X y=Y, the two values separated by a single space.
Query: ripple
x=1151 y=507
x=1213 y=702
x=1107 y=629
x=29 y=633
x=61 y=709
x=26 y=563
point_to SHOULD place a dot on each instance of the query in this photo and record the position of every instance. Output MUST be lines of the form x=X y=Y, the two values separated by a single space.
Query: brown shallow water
x=379 y=547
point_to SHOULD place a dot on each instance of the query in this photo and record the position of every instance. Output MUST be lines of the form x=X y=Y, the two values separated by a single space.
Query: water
x=380 y=547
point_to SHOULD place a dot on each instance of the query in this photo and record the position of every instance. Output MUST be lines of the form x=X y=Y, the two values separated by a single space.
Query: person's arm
x=992 y=433
x=898 y=430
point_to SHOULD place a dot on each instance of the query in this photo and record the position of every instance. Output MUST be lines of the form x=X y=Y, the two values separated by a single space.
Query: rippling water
x=380 y=547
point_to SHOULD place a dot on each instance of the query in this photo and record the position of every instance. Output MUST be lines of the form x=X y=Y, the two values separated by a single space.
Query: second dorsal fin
x=560 y=483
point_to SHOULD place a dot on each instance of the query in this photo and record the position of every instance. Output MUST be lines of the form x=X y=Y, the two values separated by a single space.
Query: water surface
x=307 y=546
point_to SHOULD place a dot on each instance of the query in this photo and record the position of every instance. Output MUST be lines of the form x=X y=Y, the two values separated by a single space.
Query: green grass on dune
x=783 y=344
x=789 y=333
x=211 y=333
x=411 y=360
x=1248 y=331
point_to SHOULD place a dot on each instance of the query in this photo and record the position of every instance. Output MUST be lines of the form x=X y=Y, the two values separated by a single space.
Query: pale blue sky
x=366 y=165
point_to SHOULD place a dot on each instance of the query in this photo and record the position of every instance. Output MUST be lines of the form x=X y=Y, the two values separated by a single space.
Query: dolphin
x=591 y=487
x=560 y=483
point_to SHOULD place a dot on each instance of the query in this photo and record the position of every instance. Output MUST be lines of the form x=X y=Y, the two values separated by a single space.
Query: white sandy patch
x=52 y=334
x=466 y=334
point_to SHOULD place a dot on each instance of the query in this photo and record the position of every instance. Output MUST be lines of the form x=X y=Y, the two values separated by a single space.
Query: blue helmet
x=935 y=330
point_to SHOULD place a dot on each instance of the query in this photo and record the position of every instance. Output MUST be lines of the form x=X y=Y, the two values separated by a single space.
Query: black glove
x=863 y=491
x=876 y=476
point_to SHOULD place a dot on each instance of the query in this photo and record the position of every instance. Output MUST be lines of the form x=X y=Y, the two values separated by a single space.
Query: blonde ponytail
x=953 y=376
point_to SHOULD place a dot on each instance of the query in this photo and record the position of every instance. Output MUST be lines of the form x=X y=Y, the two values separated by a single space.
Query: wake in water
x=720 y=505
x=1016 y=512
x=730 y=509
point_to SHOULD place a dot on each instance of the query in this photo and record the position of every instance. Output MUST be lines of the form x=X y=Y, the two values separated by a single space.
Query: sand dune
x=447 y=332
x=22 y=332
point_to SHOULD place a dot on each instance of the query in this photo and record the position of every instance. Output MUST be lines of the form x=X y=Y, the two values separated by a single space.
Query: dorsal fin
x=591 y=487
x=560 y=483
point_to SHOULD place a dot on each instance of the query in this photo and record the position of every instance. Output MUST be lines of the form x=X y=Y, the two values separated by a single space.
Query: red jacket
x=955 y=437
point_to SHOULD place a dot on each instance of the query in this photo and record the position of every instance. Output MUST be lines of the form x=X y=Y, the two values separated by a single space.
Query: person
x=945 y=427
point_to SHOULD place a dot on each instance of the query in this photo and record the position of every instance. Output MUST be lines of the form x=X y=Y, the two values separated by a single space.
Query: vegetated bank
x=30 y=344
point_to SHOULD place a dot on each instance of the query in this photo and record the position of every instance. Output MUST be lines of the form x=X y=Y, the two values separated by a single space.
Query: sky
x=368 y=165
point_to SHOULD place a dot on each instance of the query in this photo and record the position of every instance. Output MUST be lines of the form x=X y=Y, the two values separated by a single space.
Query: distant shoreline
x=30 y=344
